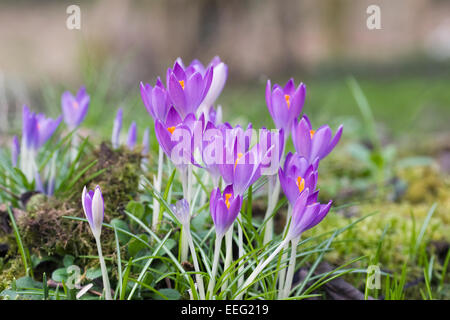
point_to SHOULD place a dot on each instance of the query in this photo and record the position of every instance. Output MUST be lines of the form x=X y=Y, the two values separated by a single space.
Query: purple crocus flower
x=174 y=129
x=297 y=176
x=94 y=209
x=224 y=208
x=75 y=108
x=306 y=214
x=15 y=150
x=37 y=129
x=115 y=139
x=244 y=171
x=187 y=88
x=312 y=144
x=156 y=100
x=270 y=150
x=285 y=104
x=132 y=136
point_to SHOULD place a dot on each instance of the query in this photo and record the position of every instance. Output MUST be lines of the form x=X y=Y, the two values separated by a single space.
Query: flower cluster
x=191 y=133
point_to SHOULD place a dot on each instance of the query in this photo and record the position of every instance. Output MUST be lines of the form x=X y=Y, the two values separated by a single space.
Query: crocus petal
x=97 y=211
x=320 y=142
x=177 y=95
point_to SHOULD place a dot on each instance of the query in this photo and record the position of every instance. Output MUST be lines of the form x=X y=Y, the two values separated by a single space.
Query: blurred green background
x=403 y=68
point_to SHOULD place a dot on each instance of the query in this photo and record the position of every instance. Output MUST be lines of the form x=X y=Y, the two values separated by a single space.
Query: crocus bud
x=220 y=74
x=94 y=209
x=156 y=100
x=116 y=129
x=224 y=209
x=15 y=150
x=181 y=211
x=132 y=136
x=75 y=108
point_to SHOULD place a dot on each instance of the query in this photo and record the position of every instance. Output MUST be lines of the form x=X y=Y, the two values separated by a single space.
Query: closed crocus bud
x=224 y=209
x=132 y=136
x=220 y=75
x=115 y=139
x=156 y=100
x=94 y=209
x=15 y=150
x=297 y=176
x=75 y=108
x=313 y=144
x=181 y=211
x=306 y=214
x=285 y=104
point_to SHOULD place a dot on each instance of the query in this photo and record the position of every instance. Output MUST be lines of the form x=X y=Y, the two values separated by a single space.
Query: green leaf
x=60 y=274
x=120 y=224
x=93 y=273
x=28 y=282
x=68 y=260
x=136 y=208
x=170 y=294
x=135 y=245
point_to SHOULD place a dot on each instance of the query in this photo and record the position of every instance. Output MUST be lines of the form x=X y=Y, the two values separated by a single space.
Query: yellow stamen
x=300 y=183
x=288 y=100
x=239 y=156
x=181 y=83
x=227 y=199
x=311 y=133
x=171 y=129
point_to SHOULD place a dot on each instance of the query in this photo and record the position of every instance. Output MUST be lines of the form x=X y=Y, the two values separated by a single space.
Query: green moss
x=10 y=270
x=46 y=232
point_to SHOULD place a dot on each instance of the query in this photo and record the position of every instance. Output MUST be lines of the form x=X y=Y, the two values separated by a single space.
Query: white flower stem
x=106 y=285
x=260 y=268
x=241 y=252
x=212 y=281
x=198 y=277
x=184 y=244
x=228 y=254
x=157 y=183
x=272 y=199
x=290 y=273
x=184 y=174
x=74 y=146
x=282 y=273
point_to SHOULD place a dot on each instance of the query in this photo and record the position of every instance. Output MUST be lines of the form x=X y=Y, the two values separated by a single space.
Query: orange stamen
x=171 y=129
x=311 y=133
x=227 y=199
x=239 y=156
x=75 y=105
x=288 y=100
x=300 y=183
x=181 y=83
